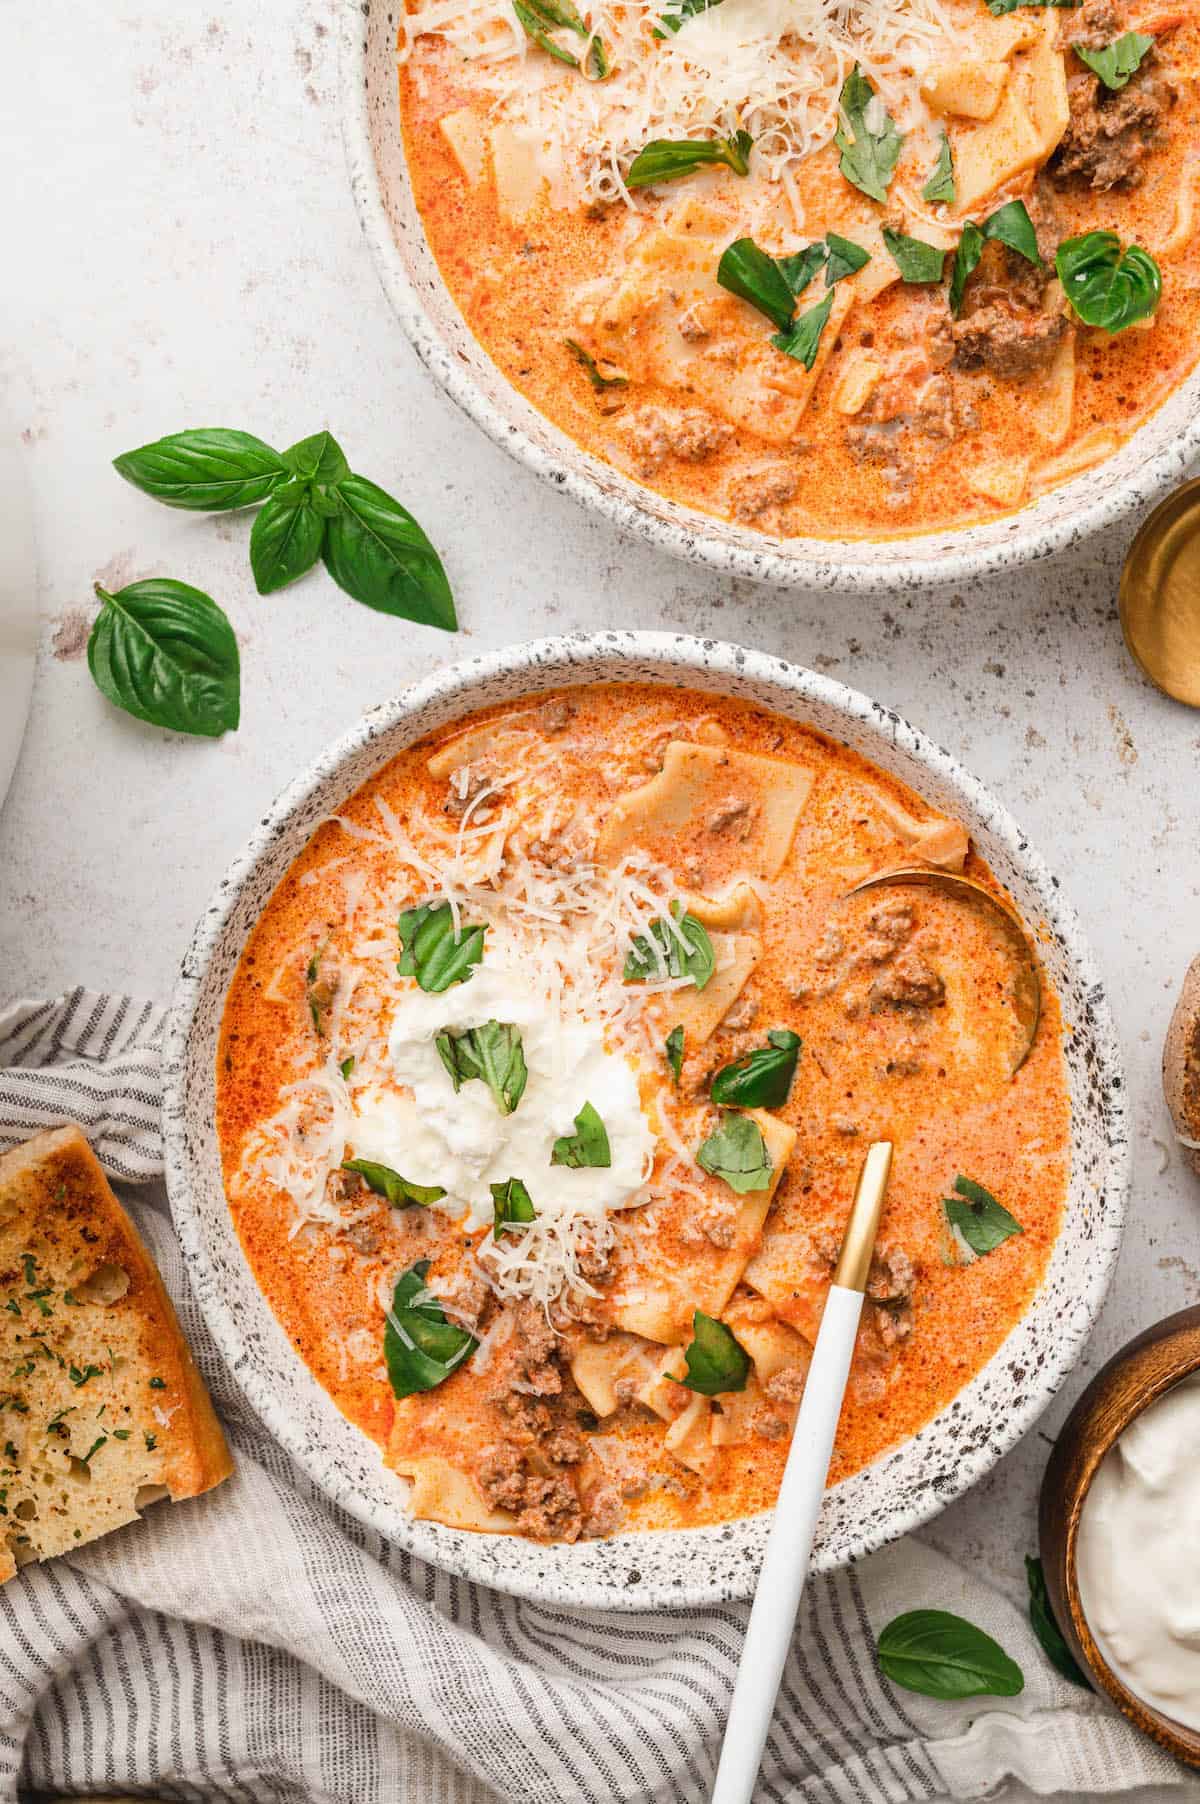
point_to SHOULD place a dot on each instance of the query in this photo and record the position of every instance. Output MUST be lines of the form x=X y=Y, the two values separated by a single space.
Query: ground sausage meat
x=908 y=984
x=656 y=433
x=1007 y=343
x=1111 y=133
x=763 y=489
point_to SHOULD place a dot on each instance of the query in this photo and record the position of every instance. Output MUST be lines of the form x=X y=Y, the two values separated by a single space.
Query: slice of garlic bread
x=102 y=1409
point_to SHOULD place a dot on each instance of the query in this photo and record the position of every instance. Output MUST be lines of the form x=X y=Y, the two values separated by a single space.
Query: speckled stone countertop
x=184 y=252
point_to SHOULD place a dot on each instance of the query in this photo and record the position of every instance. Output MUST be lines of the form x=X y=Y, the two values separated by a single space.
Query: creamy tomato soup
x=543 y=1086
x=845 y=271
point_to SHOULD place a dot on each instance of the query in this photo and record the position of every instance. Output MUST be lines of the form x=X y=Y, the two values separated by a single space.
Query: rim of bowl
x=549 y=1577
x=833 y=564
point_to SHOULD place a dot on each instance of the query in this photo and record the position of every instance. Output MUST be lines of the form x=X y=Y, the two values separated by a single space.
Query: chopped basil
x=918 y=262
x=983 y=1223
x=684 y=950
x=940 y=186
x=1053 y=1641
x=1118 y=61
x=716 y=1361
x=998 y=8
x=420 y=1347
x=751 y=273
x=845 y=258
x=512 y=1206
x=346 y=1068
x=158 y=1384
x=100 y=1441
x=588 y=1145
x=432 y=952
x=1107 y=286
x=538 y=18
x=760 y=1079
x=804 y=337
x=966 y=261
x=385 y=1182
x=801 y=266
x=79 y=1375
x=665 y=160
x=599 y=381
x=493 y=1053
x=737 y=1153
x=944 y=1656
x=674 y=1046
x=872 y=149
x=678 y=12
x=1010 y=225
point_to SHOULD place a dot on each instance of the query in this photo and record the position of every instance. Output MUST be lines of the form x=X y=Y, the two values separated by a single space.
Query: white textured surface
x=187 y=254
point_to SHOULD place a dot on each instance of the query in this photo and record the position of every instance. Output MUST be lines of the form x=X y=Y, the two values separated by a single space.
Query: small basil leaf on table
x=285 y=540
x=684 y=950
x=716 y=1360
x=512 y=1206
x=588 y=1145
x=592 y=370
x=317 y=459
x=983 y=1223
x=420 y=1347
x=1115 y=63
x=1106 y=286
x=760 y=1079
x=166 y=653
x=845 y=258
x=942 y=1655
x=753 y=275
x=432 y=952
x=666 y=159
x=737 y=1153
x=493 y=1053
x=940 y=186
x=674 y=1050
x=871 y=150
x=803 y=339
x=375 y=550
x=398 y=1191
x=918 y=262
x=1053 y=1641
x=209 y=470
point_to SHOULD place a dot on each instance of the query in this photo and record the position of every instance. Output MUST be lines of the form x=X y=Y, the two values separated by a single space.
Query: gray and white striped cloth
x=258 y=1644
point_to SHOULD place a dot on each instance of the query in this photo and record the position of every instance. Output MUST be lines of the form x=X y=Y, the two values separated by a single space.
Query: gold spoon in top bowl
x=1160 y=596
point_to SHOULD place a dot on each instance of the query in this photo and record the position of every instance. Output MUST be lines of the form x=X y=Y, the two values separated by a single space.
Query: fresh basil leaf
x=588 y=1145
x=966 y=262
x=1012 y=225
x=385 y=1182
x=1118 y=61
x=1053 y=1641
x=944 y=1656
x=539 y=18
x=209 y=470
x=983 y=1223
x=804 y=337
x=347 y=1069
x=493 y=1053
x=682 y=951
x=678 y=12
x=918 y=262
x=285 y=541
x=665 y=159
x=420 y=1347
x=317 y=459
x=716 y=1360
x=760 y=1079
x=430 y=950
x=166 y=653
x=737 y=1153
x=674 y=1046
x=799 y=269
x=871 y=151
x=749 y=272
x=998 y=8
x=940 y=186
x=512 y=1206
x=375 y=550
x=845 y=258
x=592 y=369
x=1106 y=286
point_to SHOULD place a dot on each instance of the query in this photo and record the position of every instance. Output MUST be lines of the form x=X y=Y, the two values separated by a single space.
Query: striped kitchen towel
x=258 y=1644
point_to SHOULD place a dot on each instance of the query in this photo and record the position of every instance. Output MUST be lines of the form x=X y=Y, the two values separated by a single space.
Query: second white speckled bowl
x=905 y=1486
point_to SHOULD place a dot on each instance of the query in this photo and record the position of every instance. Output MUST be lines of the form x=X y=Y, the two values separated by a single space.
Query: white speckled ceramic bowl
x=904 y=1487
x=1155 y=458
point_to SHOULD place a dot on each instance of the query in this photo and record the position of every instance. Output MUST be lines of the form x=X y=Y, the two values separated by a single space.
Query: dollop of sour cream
x=463 y=1141
x=1138 y=1555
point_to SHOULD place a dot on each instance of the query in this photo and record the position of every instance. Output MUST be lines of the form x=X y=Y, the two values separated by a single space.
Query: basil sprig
x=588 y=1145
x=538 y=18
x=1053 y=1641
x=919 y=263
x=432 y=952
x=420 y=1347
x=760 y=1079
x=666 y=159
x=940 y=186
x=512 y=1206
x=737 y=1153
x=166 y=653
x=673 y=1045
x=399 y=1192
x=871 y=150
x=983 y=1223
x=1010 y=225
x=493 y=1053
x=682 y=951
x=942 y=1655
x=1107 y=286
x=716 y=1360
x=313 y=506
x=1118 y=62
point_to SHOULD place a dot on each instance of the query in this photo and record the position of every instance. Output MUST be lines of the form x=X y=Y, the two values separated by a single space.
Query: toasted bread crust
x=1181 y=1064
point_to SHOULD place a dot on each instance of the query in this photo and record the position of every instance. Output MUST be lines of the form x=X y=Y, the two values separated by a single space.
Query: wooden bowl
x=1134 y=1378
